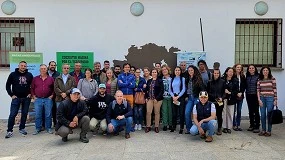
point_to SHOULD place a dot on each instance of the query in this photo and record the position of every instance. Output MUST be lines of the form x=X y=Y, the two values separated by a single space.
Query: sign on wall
x=85 y=58
x=33 y=59
x=191 y=58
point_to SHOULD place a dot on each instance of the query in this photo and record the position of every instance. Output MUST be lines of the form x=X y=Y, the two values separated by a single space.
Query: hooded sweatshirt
x=21 y=83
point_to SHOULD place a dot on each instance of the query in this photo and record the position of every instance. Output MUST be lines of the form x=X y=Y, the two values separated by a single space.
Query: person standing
x=71 y=114
x=117 y=70
x=203 y=68
x=77 y=74
x=183 y=67
x=111 y=83
x=167 y=101
x=267 y=98
x=251 y=98
x=20 y=80
x=88 y=86
x=63 y=84
x=154 y=96
x=42 y=91
x=51 y=70
x=106 y=66
x=98 y=75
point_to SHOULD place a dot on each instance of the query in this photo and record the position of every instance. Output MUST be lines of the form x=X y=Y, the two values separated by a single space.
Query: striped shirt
x=267 y=87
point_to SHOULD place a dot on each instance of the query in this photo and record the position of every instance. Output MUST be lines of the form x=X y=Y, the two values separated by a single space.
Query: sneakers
x=127 y=136
x=50 y=131
x=136 y=127
x=36 y=132
x=104 y=133
x=256 y=131
x=23 y=132
x=84 y=139
x=9 y=134
x=139 y=127
x=209 y=139
x=64 y=139
x=250 y=129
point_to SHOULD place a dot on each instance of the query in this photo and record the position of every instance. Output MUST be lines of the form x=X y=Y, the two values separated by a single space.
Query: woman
x=194 y=84
x=251 y=98
x=176 y=90
x=138 y=108
x=240 y=95
x=216 y=91
x=154 y=96
x=267 y=98
x=111 y=83
x=231 y=90
x=167 y=102
x=88 y=86
x=133 y=69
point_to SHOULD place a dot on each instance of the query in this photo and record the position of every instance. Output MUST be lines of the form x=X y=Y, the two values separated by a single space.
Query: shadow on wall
x=149 y=54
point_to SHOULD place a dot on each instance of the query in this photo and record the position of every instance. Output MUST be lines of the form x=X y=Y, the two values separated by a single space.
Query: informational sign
x=85 y=58
x=34 y=60
x=191 y=58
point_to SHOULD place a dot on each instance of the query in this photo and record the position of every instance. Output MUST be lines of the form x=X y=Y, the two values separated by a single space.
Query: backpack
x=124 y=102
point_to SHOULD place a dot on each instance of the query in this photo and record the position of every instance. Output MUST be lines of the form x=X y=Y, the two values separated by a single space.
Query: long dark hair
x=216 y=69
x=173 y=76
x=225 y=76
x=261 y=76
x=197 y=77
x=247 y=70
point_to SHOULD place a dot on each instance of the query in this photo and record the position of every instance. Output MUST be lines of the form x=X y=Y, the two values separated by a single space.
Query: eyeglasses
x=132 y=70
x=138 y=72
x=65 y=68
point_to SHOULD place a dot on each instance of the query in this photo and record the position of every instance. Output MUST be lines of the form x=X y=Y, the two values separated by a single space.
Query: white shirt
x=64 y=78
x=213 y=109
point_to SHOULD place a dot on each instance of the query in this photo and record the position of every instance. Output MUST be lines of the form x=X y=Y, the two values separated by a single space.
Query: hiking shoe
x=23 y=132
x=84 y=139
x=136 y=127
x=9 y=134
x=139 y=127
x=64 y=139
x=36 y=132
x=50 y=131
x=209 y=139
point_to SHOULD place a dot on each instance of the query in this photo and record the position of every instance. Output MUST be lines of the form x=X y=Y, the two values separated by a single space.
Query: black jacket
x=21 y=83
x=158 y=89
x=55 y=74
x=65 y=109
x=232 y=86
x=118 y=110
x=99 y=105
x=216 y=89
x=196 y=89
x=242 y=86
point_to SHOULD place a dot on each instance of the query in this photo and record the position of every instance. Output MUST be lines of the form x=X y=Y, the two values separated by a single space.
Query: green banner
x=85 y=58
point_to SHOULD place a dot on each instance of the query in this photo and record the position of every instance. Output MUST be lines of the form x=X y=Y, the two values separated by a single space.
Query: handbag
x=276 y=116
x=139 y=98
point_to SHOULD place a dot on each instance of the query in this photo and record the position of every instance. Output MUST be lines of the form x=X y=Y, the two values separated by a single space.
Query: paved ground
x=165 y=145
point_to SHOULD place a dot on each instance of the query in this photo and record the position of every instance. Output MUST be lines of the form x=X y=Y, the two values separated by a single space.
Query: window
x=258 y=42
x=18 y=35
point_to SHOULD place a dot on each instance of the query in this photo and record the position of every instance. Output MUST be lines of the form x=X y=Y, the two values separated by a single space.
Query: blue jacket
x=139 y=87
x=126 y=83
x=81 y=74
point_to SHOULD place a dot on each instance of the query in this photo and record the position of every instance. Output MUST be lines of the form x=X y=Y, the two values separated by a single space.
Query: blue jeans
x=237 y=113
x=138 y=113
x=14 y=109
x=123 y=122
x=268 y=103
x=40 y=105
x=210 y=126
x=188 y=110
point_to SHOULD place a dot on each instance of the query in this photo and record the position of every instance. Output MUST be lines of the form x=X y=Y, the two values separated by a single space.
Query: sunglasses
x=65 y=68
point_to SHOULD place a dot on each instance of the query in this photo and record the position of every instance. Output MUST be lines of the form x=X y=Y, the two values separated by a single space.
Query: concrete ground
x=150 y=146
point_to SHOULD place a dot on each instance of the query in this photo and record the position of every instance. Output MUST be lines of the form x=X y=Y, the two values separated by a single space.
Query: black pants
x=219 y=111
x=253 y=109
x=178 y=109
x=54 y=112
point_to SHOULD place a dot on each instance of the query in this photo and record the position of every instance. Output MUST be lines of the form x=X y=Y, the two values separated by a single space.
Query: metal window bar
x=259 y=42
x=16 y=34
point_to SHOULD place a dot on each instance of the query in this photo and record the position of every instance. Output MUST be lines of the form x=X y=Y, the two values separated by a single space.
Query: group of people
x=203 y=100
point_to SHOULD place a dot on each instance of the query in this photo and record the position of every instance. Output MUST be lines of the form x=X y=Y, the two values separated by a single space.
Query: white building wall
x=107 y=28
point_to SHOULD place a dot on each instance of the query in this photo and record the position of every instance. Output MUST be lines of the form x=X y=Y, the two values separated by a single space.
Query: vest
x=203 y=111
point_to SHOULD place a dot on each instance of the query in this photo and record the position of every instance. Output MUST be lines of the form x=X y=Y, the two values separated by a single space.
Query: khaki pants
x=63 y=131
x=150 y=106
x=94 y=122
x=130 y=99
x=228 y=115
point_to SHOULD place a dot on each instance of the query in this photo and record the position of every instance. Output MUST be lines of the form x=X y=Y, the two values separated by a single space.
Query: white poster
x=191 y=58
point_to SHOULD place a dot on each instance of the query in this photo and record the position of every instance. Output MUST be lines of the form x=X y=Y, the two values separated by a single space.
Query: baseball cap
x=102 y=85
x=75 y=90
x=203 y=94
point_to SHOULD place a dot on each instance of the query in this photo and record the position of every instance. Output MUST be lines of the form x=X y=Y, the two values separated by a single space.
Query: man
x=204 y=114
x=53 y=73
x=51 y=69
x=20 y=80
x=98 y=75
x=203 y=68
x=119 y=114
x=63 y=84
x=42 y=93
x=106 y=66
x=77 y=74
x=71 y=114
x=98 y=109
x=117 y=70
x=183 y=68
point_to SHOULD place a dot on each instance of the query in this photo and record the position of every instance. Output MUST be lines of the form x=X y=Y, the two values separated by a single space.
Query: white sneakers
x=138 y=127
